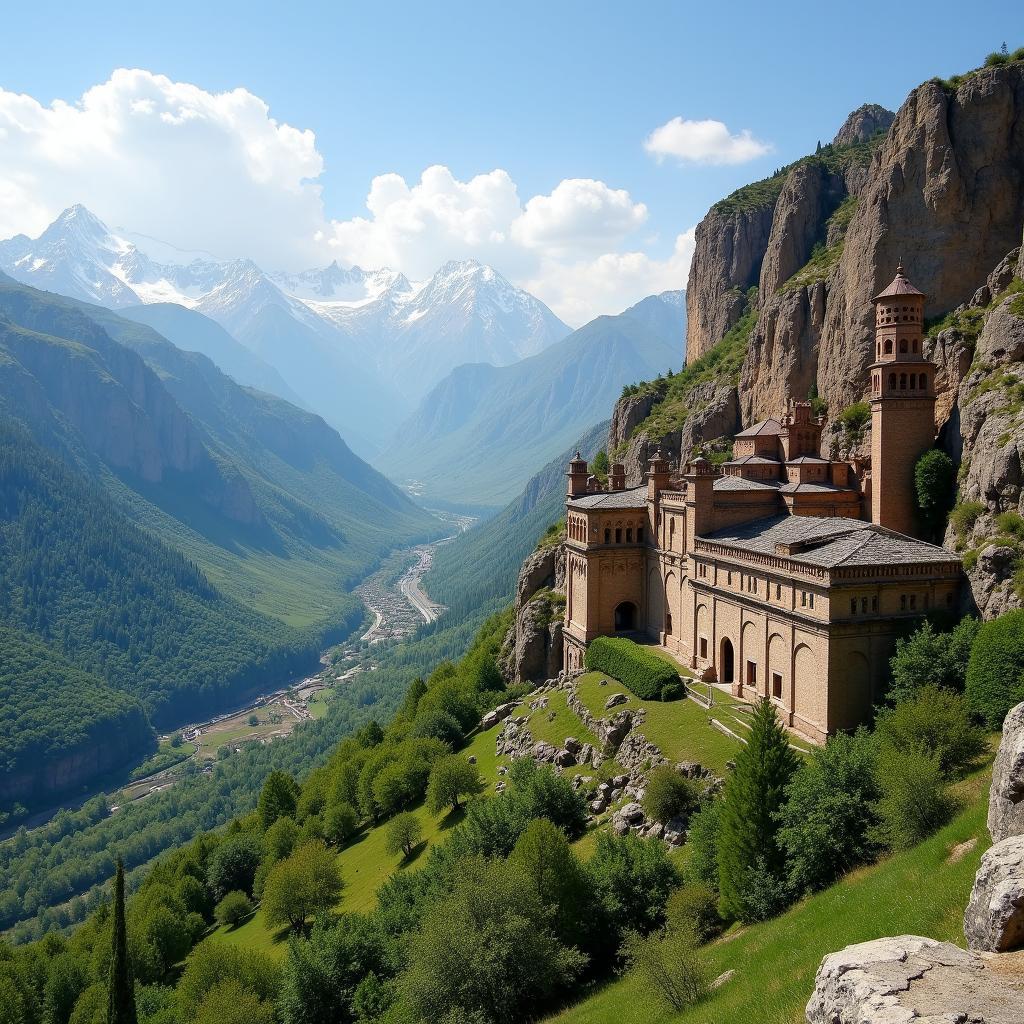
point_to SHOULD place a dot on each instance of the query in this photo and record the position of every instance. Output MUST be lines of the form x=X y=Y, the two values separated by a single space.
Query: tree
x=915 y=801
x=437 y=724
x=754 y=793
x=485 y=951
x=340 y=823
x=233 y=909
x=544 y=855
x=121 y=984
x=669 y=965
x=215 y=961
x=451 y=778
x=934 y=480
x=931 y=658
x=668 y=795
x=701 y=867
x=278 y=798
x=934 y=721
x=995 y=670
x=233 y=864
x=229 y=1003
x=280 y=839
x=600 y=465
x=826 y=823
x=404 y=834
x=306 y=883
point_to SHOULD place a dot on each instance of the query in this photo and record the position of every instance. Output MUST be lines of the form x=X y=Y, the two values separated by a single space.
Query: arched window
x=629 y=535
x=618 y=535
x=913 y=382
x=923 y=382
x=607 y=536
x=903 y=382
x=903 y=344
x=888 y=346
x=892 y=381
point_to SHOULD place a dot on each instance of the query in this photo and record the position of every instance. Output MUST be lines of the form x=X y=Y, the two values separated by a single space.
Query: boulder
x=619 y=826
x=598 y=806
x=913 y=980
x=543 y=752
x=994 y=920
x=632 y=813
x=1006 y=799
x=565 y=759
x=572 y=744
x=620 y=781
x=615 y=700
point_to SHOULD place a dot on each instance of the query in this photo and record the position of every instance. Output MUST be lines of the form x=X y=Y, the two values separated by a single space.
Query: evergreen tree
x=121 y=999
x=754 y=793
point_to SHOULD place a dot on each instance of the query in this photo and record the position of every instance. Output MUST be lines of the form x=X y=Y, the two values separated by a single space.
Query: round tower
x=578 y=474
x=902 y=403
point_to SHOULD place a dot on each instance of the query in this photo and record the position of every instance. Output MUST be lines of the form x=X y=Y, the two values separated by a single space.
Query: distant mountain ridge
x=480 y=433
x=356 y=346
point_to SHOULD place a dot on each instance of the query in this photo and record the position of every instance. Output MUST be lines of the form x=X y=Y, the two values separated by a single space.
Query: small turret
x=657 y=475
x=617 y=477
x=578 y=475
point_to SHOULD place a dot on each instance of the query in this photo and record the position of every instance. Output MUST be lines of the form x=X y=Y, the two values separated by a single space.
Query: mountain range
x=480 y=434
x=360 y=348
x=178 y=538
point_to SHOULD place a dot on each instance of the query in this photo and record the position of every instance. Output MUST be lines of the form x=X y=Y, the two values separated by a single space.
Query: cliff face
x=532 y=650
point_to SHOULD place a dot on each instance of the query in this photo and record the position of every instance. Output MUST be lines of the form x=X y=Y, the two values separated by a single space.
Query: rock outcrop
x=994 y=919
x=864 y=123
x=913 y=979
x=532 y=650
x=1006 y=797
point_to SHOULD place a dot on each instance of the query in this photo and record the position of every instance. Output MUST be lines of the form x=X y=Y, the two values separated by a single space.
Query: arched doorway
x=727 y=662
x=625 y=617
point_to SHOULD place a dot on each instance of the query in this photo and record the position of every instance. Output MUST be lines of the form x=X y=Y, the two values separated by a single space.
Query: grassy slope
x=922 y=891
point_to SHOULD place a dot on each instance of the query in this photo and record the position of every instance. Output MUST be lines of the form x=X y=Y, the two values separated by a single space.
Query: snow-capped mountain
x=360 y=347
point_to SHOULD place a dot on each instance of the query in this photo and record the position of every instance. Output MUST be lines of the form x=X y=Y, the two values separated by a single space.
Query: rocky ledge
x=913 y=979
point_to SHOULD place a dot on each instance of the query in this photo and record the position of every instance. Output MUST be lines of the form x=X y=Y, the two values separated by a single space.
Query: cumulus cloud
x=704 y=142
x=228 y=177
x=216 y=171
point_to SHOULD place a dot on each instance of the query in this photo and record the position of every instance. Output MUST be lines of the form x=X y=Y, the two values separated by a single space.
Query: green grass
x=557 y=721
x=680 y=728
x=921 y=892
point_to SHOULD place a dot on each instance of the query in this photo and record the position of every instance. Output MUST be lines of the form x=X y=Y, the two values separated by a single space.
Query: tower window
x=629 y=534
x=618 y=535
x=903 y=382
x=923 y=385
x=903 y=344
x=892 y=381
x=888 y=346
x=607 y=536
x=913 y=382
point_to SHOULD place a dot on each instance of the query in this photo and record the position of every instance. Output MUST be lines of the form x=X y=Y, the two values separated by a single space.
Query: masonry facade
x=781 y=574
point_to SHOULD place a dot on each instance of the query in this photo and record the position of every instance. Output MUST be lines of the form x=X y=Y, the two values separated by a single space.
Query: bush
x=964 y=516
x=694 y=908
x=995 y=671
x=233 y=909
x=233 y=864
x=936 y=722
x=668 y=795
x=764 y=890
x=672 y=691
x=641 y=672
x=914 y=801
x=542 y=792
x=670 y=966
x=404 y=834
x=931 y=658
x=826 y=821
x=701 y=867
x=439 y=725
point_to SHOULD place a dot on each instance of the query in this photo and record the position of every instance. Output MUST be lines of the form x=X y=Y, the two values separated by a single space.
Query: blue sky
x=544 y=92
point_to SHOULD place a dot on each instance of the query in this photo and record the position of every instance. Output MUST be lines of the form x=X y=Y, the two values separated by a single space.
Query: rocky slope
x=779 y=296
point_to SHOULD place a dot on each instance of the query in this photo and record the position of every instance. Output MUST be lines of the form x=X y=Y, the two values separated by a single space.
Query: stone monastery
x=780 y=574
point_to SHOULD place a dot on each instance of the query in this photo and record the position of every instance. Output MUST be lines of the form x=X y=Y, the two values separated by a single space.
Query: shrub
x=229 y=1003
x=995 y=671
x=668 y=795
x=233 y=909
x=964 y=516
x=914 y=801
x=753 y=795
x=701 y=867
x=404 y=834
x=233 y=864
x=764 y=890
x=438 y=724
x=826 y=821
x=643 y=673
x=541 y=792
x=934 y=721
x=670 y=966
x=216 y=961
x=694 y=908
x=672 y=691
x=854 y=418
x=931 y=658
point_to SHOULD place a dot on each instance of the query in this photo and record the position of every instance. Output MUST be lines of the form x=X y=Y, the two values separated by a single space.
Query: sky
x=573 y=146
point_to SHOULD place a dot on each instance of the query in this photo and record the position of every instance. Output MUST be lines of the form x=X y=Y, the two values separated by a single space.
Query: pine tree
x=753 y=794
x=121 y=1003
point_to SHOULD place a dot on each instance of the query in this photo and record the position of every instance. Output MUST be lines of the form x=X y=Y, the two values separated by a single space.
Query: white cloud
x=198 y=169
x=610 y=282
x=704 y=142
x=215 y=172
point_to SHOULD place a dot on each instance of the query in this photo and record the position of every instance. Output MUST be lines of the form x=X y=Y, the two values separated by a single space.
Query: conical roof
x=900 y=286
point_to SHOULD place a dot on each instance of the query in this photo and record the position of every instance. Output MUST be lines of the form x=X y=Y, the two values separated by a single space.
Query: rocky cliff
x=779 y=296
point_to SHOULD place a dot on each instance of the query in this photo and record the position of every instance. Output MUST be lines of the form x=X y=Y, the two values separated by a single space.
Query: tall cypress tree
x=753 y=794
x=121 y=1000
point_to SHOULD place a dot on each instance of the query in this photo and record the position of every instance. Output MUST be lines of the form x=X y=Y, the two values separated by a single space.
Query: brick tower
x=902 y=404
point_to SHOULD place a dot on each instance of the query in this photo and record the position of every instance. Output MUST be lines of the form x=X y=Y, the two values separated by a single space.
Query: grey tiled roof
x=801 y=459
x=836 y=542
x=632 y=497
x=753 y=460
x=739 y=483
x=768 y=426
x=807 y=488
